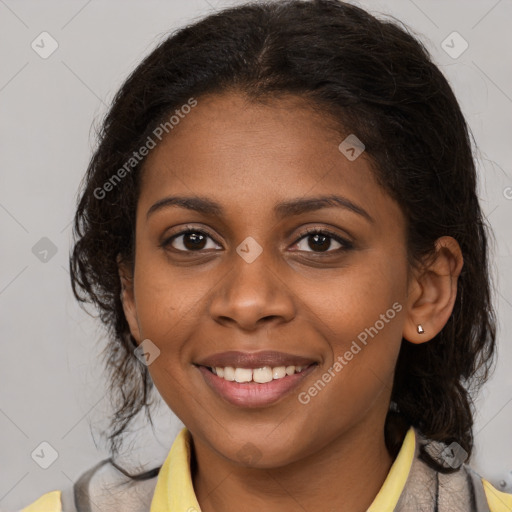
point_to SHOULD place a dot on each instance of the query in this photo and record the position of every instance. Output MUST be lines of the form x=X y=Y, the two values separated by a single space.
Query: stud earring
x=420 y=329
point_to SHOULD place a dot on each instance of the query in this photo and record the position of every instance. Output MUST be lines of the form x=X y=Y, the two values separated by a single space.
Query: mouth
x=258 y=375
x=254 y=380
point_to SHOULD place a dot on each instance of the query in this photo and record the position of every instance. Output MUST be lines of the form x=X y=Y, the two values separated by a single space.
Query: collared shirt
x=174 y=489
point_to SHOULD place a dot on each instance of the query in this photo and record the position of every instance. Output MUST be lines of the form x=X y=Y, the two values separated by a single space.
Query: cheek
x=360 y=314
x=168 y=300
x=364 y=334
x=362 y=302
x=170 y=303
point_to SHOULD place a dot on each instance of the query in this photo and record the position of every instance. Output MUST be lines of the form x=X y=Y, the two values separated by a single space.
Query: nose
x=252 y=295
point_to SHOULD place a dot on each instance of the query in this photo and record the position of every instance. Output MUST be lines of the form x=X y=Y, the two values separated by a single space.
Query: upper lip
x=270 y=358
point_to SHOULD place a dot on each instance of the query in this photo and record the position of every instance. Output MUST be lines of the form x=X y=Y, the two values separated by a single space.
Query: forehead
x=243 y=153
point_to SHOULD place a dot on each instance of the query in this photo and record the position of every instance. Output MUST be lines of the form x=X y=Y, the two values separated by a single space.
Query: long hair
x=373 y=78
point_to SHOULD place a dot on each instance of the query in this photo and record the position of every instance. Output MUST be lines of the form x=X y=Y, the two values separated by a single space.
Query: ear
x=128 y=297
x=432 y=291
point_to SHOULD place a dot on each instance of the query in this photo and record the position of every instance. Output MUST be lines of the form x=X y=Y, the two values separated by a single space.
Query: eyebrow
x=287 y=208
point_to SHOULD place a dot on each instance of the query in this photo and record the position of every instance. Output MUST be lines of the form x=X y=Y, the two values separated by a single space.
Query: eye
x=320 y=240
x=189 y=240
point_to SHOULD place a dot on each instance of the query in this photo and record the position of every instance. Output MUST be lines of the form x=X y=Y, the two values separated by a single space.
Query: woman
x=281 y=231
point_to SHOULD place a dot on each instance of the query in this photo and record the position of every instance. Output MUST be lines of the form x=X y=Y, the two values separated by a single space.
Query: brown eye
x=189 y=241
x=320 y=241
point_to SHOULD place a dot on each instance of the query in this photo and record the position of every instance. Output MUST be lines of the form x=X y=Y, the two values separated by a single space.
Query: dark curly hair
x=373 y=78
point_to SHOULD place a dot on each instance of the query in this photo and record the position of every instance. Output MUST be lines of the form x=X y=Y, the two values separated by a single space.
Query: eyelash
x=346 y=245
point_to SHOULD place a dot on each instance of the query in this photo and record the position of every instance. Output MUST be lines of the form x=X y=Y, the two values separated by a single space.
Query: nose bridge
x=253 y=289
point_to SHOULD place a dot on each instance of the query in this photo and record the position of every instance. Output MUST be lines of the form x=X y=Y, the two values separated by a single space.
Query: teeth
x=262 y=375
x=259 y=375
x=279 y=372
x=243 y=375
x=229 y=373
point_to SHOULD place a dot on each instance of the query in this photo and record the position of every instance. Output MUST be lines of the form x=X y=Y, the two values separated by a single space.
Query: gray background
x=52 y=385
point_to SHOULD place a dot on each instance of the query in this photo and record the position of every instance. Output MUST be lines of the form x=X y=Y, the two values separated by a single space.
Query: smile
x=259 y=375
x=254 y=379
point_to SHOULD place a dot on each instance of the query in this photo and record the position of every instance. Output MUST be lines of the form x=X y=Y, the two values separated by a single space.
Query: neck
x=345 y=475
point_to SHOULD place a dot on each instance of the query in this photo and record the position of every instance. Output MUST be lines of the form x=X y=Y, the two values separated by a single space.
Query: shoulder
x=457 y=488
x=50 y=502
x=498 y=501
x=104 y=486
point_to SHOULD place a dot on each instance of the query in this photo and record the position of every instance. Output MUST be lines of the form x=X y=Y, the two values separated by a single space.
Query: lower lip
x=252 y=394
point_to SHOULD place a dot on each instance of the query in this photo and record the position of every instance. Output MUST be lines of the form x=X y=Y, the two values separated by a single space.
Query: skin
x=328 y=454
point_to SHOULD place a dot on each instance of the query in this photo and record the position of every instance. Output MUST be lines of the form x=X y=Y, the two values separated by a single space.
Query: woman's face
x=248 y=287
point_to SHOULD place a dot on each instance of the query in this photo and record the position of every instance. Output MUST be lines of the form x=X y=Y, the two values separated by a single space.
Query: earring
x=420 y=329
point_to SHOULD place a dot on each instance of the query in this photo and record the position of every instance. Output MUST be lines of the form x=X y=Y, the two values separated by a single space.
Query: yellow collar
x=174 y=489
